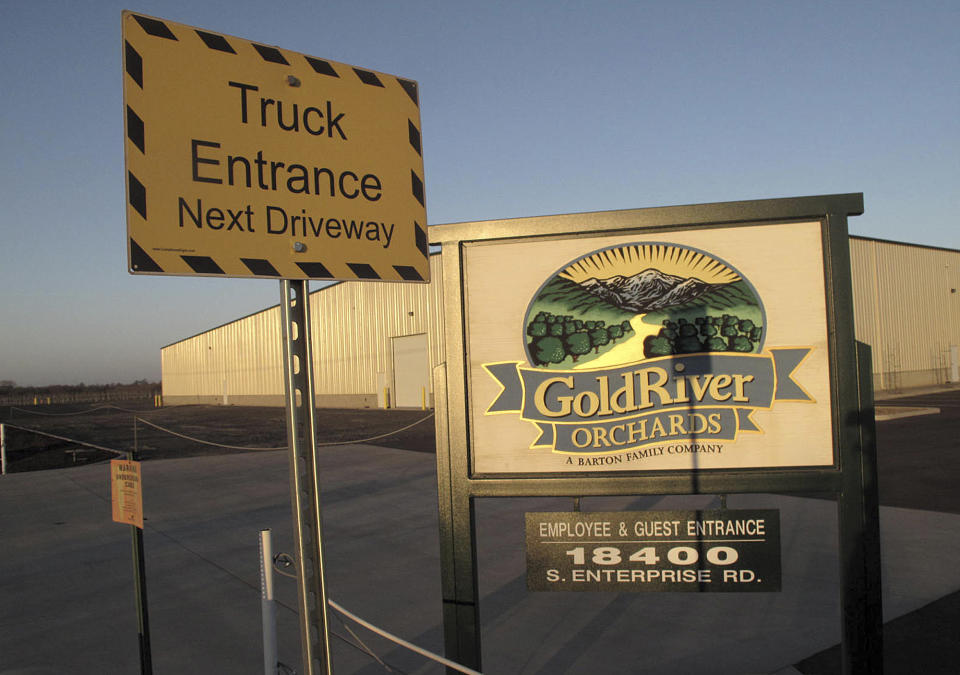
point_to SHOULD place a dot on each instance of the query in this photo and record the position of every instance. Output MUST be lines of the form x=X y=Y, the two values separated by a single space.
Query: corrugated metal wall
x=907 y=307
x=906 y=299
x=241 y=359
x=353 y=323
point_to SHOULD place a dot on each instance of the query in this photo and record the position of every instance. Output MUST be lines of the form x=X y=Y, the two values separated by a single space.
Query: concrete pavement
x=68 y=605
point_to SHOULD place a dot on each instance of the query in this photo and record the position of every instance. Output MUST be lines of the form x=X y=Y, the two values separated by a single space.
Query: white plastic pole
x=3 y=451
x=268 y=605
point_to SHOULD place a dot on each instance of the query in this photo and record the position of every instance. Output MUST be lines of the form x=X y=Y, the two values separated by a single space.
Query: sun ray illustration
x=629 y=260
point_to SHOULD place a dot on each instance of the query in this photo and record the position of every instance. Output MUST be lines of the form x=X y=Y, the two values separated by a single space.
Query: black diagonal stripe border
x=214 y=41
x=414 y=136
x=260 y=267
x=421 y=236
x=417 y=186
x=270 y=54
x=315 y=270
x=410 y=87
x=321 y=67
x=408 y=273
x=133 y=63
x=137 y=194
x=363 y=271
x=135 y=131
x=368 y=77
x=202 y=264
x=140 y=261
x=154 y=27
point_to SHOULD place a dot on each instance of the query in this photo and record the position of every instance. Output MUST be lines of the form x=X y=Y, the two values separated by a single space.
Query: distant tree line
x=11 y=394
x=726 y=333
x=554 y=337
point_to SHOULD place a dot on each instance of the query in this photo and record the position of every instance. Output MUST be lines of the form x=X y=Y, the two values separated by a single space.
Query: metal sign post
x=127 y=506
x=304 y=486
x=140 y=582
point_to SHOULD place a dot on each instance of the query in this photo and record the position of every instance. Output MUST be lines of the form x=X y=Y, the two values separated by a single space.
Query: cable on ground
x=64 y=438
x=243 y=447
x=375 y=438
x=200 y=440
x=67 y=414
x=403 y=643
x=81 y=412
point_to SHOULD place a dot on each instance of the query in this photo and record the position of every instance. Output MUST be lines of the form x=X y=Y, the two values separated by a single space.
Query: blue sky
x=527 y=108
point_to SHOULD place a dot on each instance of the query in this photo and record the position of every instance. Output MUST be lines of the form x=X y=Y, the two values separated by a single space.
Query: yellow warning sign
x=247 y=160
x=126 y=492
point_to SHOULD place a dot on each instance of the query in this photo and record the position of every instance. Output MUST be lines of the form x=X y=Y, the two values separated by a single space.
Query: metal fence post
x=268 y=606
x=140 y=590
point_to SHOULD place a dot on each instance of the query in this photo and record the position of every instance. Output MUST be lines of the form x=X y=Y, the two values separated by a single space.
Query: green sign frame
x=849 y=472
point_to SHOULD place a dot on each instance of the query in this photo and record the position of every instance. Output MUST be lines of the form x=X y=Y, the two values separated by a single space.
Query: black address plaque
x=636 y=551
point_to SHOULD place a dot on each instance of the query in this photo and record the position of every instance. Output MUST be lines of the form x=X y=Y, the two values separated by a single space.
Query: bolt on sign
x=692 y=349
x=126 y=492
x=247 y=160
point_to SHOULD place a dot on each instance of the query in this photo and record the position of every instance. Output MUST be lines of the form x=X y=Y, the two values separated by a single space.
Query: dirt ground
x=114 y=427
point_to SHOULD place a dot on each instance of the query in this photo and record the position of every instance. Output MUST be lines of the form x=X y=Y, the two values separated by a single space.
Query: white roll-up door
x=411 y=371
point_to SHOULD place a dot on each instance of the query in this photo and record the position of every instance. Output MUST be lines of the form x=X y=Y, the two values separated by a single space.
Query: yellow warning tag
x=126 y=492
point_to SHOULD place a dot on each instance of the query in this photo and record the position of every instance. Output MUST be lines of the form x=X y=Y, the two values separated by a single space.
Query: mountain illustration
x=649 y=290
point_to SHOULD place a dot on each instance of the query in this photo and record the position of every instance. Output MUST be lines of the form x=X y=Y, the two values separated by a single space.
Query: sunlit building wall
x=907 y=308
x=358 y=329
x=376 y=344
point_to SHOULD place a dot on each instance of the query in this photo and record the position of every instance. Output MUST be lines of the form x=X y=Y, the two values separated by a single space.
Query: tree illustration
x=548 y=350
x=689 y=345
x=615 y=332
x=598 y=338
x=577 y=344
x=656 y=345
x=715 y=344
x=537 y=329
x=740 y=344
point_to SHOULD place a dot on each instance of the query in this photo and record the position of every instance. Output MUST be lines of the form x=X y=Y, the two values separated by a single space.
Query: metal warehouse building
x=375 y=344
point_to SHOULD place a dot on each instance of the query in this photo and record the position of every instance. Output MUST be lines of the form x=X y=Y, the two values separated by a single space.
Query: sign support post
x=304 y=485
x=858 y=509
x=140 y=590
